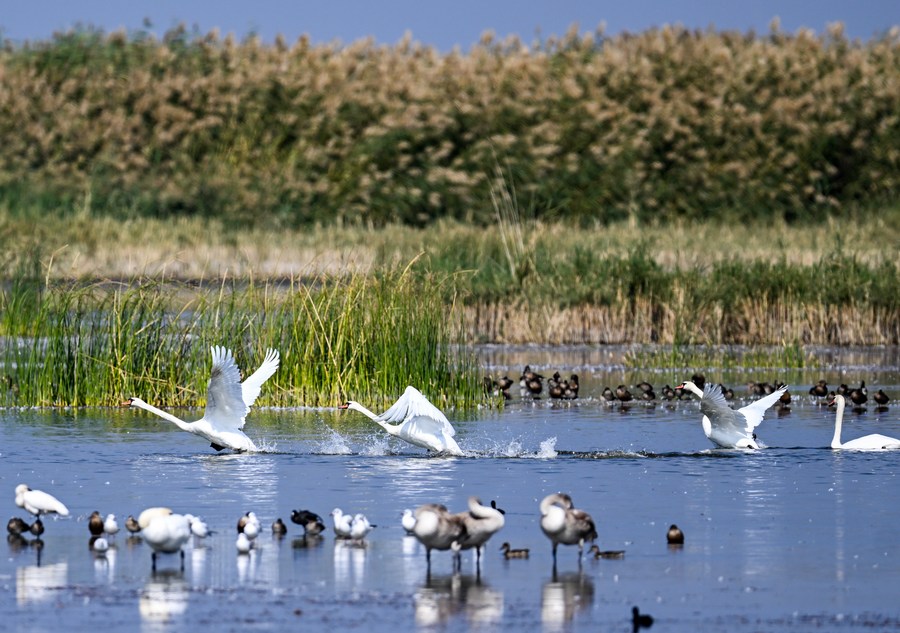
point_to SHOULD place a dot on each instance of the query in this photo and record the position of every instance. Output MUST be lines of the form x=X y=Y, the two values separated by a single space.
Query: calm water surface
x=793 y=537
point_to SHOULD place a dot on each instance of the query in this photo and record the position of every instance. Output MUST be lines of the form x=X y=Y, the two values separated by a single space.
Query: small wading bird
x=419 y=422
x=874 y=442
x=227 y=402
x=723 y=425
x=38 y=502
x=562 y=523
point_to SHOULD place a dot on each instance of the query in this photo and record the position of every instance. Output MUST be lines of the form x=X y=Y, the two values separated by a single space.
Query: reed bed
x=662 y=125
x=360 y=338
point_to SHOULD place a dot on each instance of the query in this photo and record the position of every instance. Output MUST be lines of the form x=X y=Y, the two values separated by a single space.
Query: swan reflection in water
x=35 y=583
x=562 y=597
x=163 y=599
x=442 y=597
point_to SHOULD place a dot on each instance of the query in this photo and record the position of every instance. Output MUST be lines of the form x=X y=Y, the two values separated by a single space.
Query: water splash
x=335 y=444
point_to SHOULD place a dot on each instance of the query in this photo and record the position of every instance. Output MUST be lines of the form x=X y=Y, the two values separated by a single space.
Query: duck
x=37 y=527
x=562 y=523
x=648 y=395
x=724 y=426
x=623 y=395
x=95 y=524
x=640 y=620
x=503 y=385
x=509 y=552
x=437 y=529
x=607 y=394
x=132 y=525
x=874 y=442
x=571 y=389
x=699 y=380
x=555 y=387
x=611 y=554
x=16 y=525
x=419 y=422
x=668 y=393
x=881 y=398
x=860 y=395
x=644 y=386
x=312 y=523
x=674 y=536
x=278 y=527
x=820 y=389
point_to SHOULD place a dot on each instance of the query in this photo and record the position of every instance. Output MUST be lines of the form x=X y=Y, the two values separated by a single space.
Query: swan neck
x=159 y=412
x=694 y=389
x=393 y=430
x=838 y=422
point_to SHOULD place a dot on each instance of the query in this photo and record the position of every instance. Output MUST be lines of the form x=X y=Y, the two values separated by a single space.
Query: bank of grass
x=361 y=338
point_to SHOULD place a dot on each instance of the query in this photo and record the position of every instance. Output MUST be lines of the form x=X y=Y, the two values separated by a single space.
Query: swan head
x=350 y=404
x=690 y=386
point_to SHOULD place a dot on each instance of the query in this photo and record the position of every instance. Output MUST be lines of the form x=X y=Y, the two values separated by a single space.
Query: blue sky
x=441 y=23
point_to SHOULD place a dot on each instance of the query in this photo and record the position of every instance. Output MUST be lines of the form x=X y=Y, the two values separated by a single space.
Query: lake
x=792 y=537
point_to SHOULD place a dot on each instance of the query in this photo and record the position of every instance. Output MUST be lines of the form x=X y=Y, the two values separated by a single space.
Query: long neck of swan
x=697 y=391
x=181 y=424
x=838 y=421
x=393 y=430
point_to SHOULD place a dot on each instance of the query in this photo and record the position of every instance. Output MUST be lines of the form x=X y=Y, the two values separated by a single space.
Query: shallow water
x=793 y=537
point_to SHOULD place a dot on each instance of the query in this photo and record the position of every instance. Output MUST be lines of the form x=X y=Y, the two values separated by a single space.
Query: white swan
x=38 y=502
x=419 y=422
x=874 y=442
x=723 y=425
x=227 y=402
x=166 y=533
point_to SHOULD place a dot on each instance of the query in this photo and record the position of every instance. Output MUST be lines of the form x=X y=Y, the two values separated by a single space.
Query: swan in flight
x=874 y=442
x=418 y=422
x=723 y=425
x=563 y=523
x=38 y=502
x=228 y=401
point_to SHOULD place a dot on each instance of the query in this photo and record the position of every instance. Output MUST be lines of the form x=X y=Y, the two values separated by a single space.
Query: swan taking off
x=227 y=402
x=723 y=425
x=38 y=502
x=874 y=442
x=418 y=422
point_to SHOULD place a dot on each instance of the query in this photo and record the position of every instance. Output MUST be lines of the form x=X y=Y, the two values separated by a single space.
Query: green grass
x=366 y=339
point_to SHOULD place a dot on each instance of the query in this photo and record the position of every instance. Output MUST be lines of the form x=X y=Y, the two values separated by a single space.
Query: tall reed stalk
x=339 y=338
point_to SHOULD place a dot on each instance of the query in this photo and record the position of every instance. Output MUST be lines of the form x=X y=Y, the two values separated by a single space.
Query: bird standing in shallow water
x=481 y=522
x=95 y=524
x=279 y=528
x=312 y=523
x=640 y=620
x=110 y=525
x=16 y=525
x=562 y=523
x=131 y=525
x=38 y=502
x=436 y=528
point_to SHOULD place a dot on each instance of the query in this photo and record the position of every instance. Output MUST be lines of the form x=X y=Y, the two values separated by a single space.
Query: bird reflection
x=40 y=584
x=164 y=598
x=442 y=597
x=349 y=562
x=562 y=597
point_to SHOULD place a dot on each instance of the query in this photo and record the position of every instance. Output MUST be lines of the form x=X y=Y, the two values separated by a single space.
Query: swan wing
x=755 y=411
x=225 y=406
x=251 y=387
x=412 y=406
x=714 y=407
x=425 y=430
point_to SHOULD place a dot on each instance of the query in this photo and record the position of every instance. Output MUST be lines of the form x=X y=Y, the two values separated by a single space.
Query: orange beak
x=343 y=406
x=125 y=403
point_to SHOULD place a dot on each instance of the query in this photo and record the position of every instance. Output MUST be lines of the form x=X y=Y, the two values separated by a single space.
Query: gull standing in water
x=723 y=425
x=417 y=421
x=227 y=402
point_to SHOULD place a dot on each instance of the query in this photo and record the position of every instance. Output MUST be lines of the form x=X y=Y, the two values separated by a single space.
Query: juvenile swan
x=562 y=523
